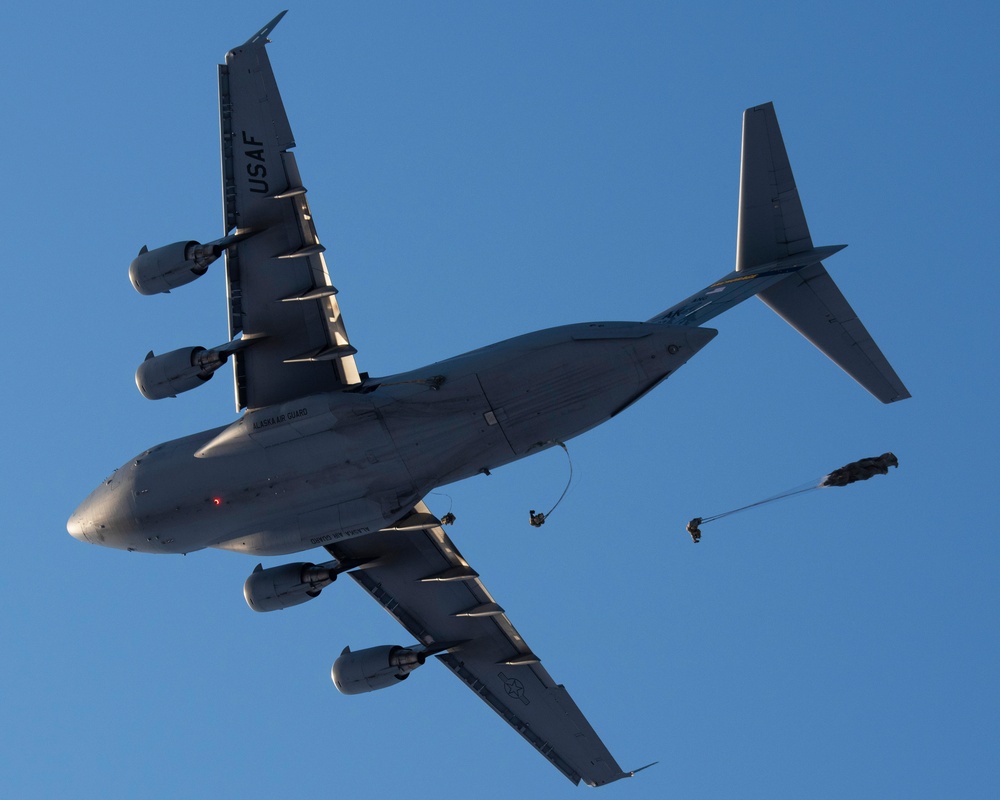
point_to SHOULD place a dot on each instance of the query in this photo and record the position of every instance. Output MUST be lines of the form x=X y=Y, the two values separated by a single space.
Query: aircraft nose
x=102 y=515
x=75 y=527
x=82 y=521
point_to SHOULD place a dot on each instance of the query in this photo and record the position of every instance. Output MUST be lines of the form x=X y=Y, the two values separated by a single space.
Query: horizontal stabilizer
x=736 y=287
x=812 y=304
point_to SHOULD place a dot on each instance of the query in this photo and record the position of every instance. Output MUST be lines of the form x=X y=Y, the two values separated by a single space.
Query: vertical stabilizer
x=771 y=223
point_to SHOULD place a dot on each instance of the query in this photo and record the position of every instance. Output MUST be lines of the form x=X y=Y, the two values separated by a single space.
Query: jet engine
x=173 y=265
x=374 y=668
x=166 y=268
x=178 y=371
x=288 y=585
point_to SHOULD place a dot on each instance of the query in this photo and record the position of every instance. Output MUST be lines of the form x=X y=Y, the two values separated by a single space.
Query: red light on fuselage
x=217 y=501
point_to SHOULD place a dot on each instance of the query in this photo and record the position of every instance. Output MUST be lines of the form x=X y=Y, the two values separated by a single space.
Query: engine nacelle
x=374 y=668
x=178 y=371
x=166 y=268
x=286 y=586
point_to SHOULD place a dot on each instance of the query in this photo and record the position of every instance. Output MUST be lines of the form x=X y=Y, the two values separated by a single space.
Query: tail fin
x=776 y=260
x=772 y=226
x=771 y=222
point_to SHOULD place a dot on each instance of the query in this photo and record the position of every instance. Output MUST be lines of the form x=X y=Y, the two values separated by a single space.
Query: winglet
x=635 y=772
x=261 y=36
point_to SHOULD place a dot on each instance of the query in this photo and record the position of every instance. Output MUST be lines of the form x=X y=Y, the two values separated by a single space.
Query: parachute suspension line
x=693 y=527
x=537 y=520
x=790 y=493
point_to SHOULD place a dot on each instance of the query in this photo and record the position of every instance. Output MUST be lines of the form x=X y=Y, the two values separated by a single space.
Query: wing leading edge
x=280 y=294
x=423 y=581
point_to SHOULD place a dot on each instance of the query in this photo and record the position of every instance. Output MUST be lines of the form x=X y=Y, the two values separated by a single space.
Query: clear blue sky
x=478 y=171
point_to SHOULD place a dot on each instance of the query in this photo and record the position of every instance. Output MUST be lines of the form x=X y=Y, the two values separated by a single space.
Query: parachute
x=861 y=470
x=856 y=471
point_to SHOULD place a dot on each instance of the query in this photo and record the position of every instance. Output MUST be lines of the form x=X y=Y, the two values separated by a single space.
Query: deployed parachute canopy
x=849 y=473
x=861 y=470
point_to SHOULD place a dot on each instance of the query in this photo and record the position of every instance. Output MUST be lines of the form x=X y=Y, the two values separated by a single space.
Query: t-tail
x=776 y=260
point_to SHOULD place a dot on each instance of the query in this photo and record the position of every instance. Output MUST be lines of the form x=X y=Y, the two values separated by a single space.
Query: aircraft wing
x=279 y=290
x=422 y=580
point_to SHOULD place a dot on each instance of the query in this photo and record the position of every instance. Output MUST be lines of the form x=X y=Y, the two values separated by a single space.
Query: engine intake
x=288 y=585
x=374 y=668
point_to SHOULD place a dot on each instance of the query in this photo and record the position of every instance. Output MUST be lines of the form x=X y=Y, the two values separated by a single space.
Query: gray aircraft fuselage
x=322 y=468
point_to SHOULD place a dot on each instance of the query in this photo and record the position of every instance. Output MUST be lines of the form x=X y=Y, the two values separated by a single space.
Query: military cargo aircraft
x=326 y=456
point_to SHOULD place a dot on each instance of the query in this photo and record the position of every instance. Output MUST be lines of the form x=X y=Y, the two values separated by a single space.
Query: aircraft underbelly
x=336 y=484
x=282 y=492
x=445 y=433
x=561 y=391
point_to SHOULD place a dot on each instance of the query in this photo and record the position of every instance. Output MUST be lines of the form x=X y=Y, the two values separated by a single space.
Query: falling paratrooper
x=856 y=471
